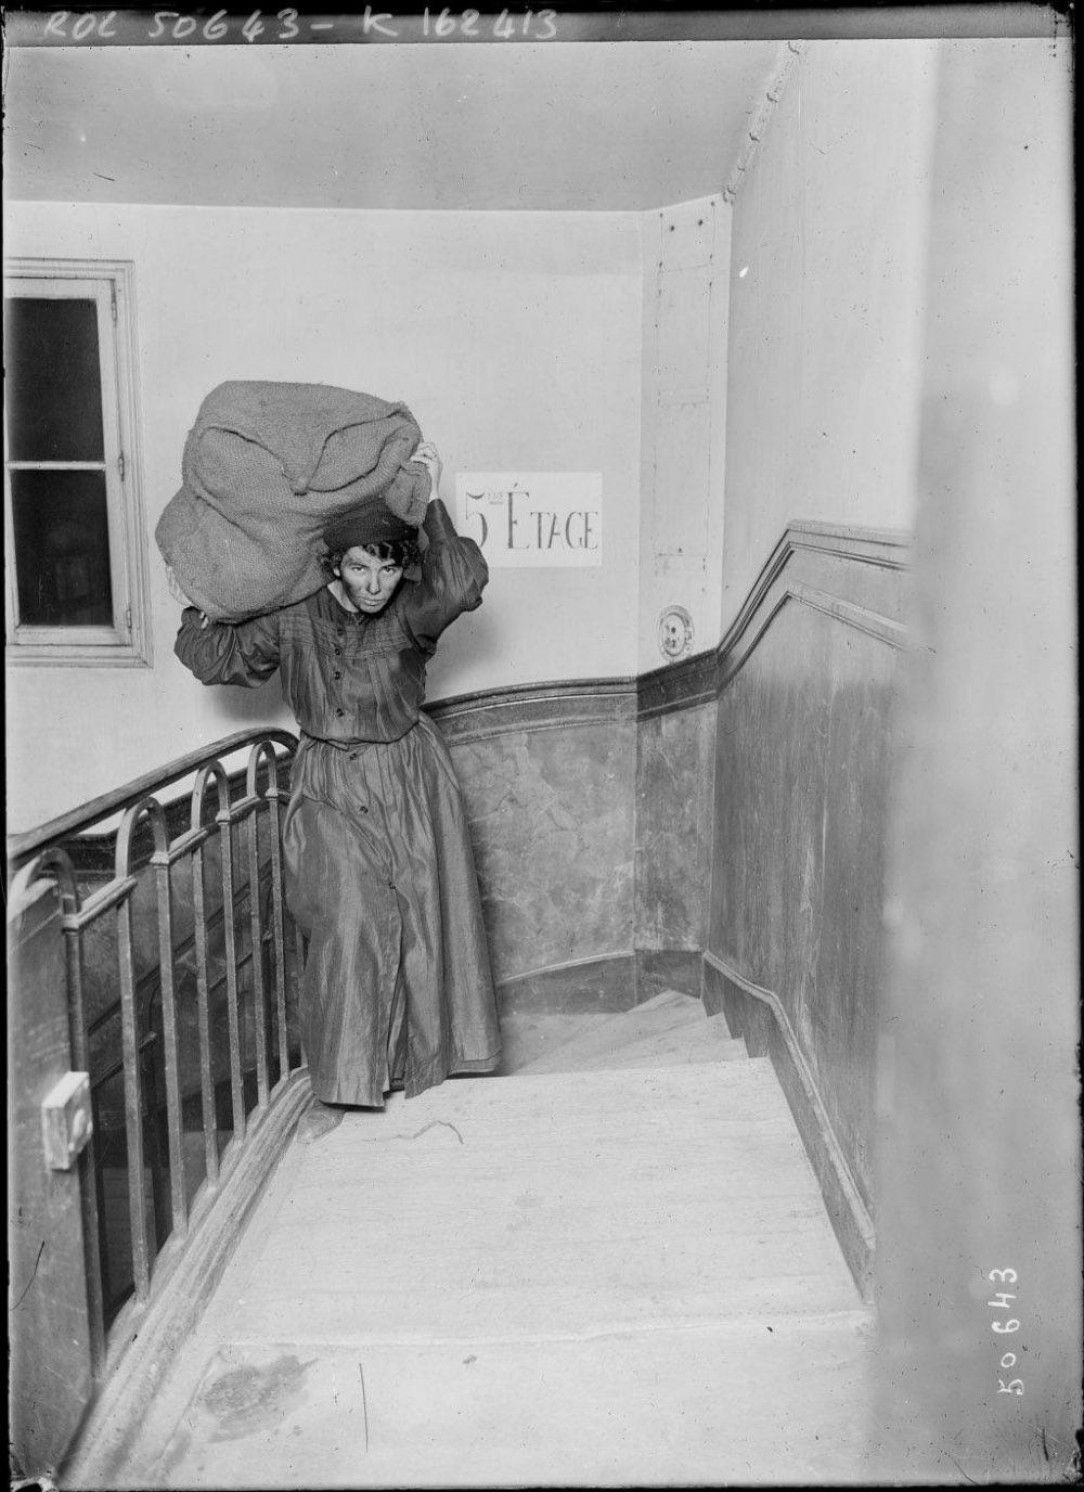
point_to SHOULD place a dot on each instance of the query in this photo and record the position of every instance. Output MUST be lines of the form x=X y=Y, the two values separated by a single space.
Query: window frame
x=127 y=642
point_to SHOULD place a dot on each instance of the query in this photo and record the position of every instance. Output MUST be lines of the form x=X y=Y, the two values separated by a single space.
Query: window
x=72 y=514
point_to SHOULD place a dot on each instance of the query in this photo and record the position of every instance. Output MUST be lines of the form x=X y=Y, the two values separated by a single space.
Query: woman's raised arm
x=453 y=575
x=244 y=653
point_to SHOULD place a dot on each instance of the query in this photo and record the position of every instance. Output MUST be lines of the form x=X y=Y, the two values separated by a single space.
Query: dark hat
x=374 y=523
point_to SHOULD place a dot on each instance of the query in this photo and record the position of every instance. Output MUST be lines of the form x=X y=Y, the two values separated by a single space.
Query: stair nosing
x=591 y=1041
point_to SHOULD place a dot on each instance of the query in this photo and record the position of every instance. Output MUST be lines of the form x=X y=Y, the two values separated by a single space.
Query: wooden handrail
x=21 y=847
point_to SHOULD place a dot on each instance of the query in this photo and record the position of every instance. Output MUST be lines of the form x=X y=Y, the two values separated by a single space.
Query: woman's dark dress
x=379 y=871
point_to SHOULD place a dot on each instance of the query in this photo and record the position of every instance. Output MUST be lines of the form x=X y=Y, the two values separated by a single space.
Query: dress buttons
x=338 y=651
x=340 y=712
x=363 y=808
x=337 y=674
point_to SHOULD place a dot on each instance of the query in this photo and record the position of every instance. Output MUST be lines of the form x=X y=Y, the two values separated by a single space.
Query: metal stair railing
x=180 y=833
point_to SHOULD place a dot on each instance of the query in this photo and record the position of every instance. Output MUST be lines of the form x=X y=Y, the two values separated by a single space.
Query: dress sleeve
x=453 y=576
x=229 y=653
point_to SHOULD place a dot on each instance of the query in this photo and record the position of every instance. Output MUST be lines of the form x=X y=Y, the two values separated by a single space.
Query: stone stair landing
x=603 y=1275
x=583 y=1043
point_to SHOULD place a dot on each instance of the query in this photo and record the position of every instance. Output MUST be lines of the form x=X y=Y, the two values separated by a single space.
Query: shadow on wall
x=478 y=637
x=238 y=707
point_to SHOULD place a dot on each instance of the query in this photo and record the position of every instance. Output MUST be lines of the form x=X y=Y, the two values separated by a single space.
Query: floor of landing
x=599 y=1279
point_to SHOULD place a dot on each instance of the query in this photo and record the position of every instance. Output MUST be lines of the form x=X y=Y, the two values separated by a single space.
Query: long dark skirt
x=380 y=878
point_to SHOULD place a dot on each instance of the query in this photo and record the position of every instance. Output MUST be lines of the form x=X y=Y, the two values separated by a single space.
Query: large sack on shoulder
x=265 y=466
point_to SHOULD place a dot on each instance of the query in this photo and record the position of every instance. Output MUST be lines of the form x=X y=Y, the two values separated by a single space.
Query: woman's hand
x=429 y=457
x=179 y=595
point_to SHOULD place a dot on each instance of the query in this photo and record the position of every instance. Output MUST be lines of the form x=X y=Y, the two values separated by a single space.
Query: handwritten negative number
x=173 y=25
x=1000 y=1302
x=446 y=23
x=287 y=19
x=180 y=27
x=1016 y=1386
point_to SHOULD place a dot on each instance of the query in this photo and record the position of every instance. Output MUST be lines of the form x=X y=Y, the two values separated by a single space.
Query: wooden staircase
x=609 y=1267
x=669 y=1030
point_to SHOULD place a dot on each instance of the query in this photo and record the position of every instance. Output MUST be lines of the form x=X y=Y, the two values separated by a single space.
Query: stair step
x=536 y=1206
x=704 y=1041
x=527 y=1035
x=574 y=1278
x=663 y=1012
x=665 y=1000
x=660 y=1409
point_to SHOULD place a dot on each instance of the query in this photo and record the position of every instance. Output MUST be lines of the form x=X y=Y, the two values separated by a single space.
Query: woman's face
x=370 y=582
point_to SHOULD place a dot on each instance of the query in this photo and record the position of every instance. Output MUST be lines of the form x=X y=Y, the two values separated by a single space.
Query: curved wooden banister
x=21 y=847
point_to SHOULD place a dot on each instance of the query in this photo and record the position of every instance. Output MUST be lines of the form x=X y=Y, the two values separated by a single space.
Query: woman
x=378 y=866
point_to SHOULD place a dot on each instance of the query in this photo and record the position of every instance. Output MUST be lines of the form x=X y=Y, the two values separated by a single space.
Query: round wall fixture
x=675 y=633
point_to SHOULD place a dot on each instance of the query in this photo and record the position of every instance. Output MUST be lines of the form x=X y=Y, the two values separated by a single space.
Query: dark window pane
x=62 y=548
x=54 y=388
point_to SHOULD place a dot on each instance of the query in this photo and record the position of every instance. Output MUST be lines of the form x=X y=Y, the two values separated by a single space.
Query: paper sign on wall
x=532 y=518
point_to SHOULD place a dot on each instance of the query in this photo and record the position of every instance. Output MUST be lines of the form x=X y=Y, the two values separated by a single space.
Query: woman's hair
x=401 y=552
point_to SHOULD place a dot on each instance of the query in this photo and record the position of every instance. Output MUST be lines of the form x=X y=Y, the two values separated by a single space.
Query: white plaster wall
x=514 y=337
x=683 y=456
x=826 y=308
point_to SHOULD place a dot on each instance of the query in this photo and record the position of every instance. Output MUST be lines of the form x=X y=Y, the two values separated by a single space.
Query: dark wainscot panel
x=548 y=775
x=803 y=761
x=48 y=1318
x=674 y=802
